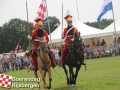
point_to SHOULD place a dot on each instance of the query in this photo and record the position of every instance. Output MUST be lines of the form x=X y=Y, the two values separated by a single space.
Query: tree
x=100 y=25
x=53 y=21
x=12 y=32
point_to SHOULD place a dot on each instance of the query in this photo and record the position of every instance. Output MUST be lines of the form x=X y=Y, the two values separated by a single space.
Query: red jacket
x=69 y=38
x=35 y=36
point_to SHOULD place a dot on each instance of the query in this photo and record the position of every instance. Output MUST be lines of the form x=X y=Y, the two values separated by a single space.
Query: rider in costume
x=68 y=34
x=39 y=32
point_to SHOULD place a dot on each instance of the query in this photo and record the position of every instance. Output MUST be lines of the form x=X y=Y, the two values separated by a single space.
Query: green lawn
x=101 y=74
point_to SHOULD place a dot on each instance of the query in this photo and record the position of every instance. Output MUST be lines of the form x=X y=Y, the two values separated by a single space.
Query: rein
x=76 y=49
x=45 y=63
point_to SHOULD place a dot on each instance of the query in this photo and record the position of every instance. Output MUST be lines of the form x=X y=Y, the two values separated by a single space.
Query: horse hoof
x=48 y=87
x=68 y=84
x=73 y=85
x=44 y=88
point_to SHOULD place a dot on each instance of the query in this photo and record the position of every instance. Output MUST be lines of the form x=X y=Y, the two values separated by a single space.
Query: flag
x=107 y=5
x=42 y=11
x=5 y=81
x=17 y=47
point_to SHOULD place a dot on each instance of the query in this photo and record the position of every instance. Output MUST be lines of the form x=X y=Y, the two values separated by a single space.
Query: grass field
x=101 y=74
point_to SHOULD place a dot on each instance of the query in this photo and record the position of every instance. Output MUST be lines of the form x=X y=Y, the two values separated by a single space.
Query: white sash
x=67 y=33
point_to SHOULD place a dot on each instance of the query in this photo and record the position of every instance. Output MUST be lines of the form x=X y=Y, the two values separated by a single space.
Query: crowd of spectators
x=13 y=60
x=21 y=60
x=100 y=49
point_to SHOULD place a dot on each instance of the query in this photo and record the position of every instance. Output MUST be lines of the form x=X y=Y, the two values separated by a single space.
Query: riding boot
x=63 y=58
x=52 y=59
x=34 y=60
x=35 y=63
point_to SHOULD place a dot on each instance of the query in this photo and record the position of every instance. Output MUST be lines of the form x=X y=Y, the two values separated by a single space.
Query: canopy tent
x=85 y=30
x=118 y=29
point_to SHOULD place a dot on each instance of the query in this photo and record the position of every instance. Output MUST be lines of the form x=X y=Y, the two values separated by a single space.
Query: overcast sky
x=88 y=9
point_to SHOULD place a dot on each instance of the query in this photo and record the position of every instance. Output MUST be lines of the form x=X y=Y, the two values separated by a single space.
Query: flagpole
x=62 y=20
x=114 y=25
x=28 y=25
x=60 y=61
x=77 y=10
x=48 y=24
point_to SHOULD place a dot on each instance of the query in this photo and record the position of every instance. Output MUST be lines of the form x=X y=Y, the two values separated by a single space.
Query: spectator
x=98 y=43
x=95 y=52
x=111 y=48
x=0 y=57
x=118 y=46
x=118 y=40
x=100 y=50
x=21 y=57
x=106 y=49
x=1 y=70
x=18 y=61
x=12 y=59
x=88 y=51
x=93 y=44
x=56 y=52
x=103 y=43
x=26 y=61
x=8 y=61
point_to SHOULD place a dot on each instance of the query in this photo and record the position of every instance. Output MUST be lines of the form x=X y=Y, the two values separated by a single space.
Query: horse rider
x=68 y=34
x=39 y=32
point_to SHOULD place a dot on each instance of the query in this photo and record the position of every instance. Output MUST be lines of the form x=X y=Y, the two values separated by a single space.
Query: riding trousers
x=64 y=49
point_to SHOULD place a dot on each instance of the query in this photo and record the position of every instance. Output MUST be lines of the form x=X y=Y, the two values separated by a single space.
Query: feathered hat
x=68 y=18
x=39 y=21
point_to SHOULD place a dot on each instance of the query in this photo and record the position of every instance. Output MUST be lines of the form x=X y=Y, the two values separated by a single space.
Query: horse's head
x=77 y=43
x=43 y=44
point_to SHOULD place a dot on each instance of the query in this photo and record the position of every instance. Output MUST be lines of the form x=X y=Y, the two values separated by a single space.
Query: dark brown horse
x=73 y=59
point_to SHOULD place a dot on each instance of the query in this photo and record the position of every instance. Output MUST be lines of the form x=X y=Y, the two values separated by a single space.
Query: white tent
x=118 y=29
x=85 y=30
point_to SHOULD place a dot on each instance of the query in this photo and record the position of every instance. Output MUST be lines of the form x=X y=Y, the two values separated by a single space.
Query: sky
x=88 y=9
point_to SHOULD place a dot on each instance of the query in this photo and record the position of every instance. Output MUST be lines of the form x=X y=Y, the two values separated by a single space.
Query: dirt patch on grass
x=63 y=84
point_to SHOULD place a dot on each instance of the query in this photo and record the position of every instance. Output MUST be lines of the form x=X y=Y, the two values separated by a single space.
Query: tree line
x=100 y=25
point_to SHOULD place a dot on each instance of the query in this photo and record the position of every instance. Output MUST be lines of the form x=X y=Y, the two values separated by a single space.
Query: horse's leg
x=35 y=73
x=50 y=78
x=76 y=74
x=66 y=72
x=43 y=77
x=73 y=76
x=70 y=72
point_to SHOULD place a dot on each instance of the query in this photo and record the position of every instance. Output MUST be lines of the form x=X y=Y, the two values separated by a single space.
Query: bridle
x=42 y=49
x=78 y=50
